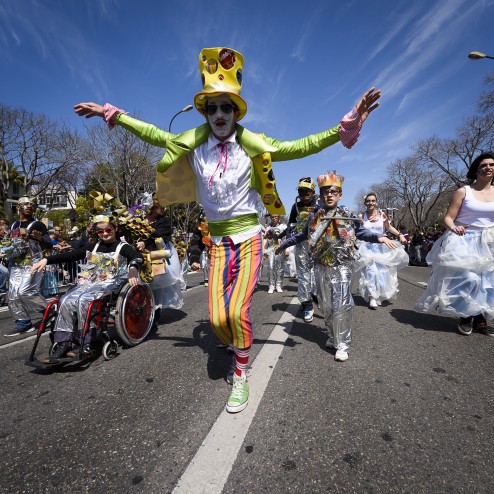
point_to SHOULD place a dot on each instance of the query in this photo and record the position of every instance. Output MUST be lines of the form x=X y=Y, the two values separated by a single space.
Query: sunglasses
x=226 y=108
x=330 y=192
x=104 y=230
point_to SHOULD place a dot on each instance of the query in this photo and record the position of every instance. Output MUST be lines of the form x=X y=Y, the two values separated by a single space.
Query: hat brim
x=200 y=101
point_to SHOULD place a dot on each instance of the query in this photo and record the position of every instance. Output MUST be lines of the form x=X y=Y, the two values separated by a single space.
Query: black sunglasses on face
x=226 y=108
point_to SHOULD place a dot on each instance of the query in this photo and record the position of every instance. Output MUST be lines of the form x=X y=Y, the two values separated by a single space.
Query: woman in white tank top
x=378 y=263
x=462 y=280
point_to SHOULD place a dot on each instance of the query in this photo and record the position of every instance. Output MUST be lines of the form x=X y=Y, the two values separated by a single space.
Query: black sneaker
x=17 y=332
x=87 y=352
x=60 y=352
x=465 y=325
x=480 y=325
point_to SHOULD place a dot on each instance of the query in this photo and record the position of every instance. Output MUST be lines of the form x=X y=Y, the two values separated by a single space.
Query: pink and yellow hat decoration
x=221 y=73
x=330 y=179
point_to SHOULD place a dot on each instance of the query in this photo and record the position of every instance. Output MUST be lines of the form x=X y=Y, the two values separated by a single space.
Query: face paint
x=222 y=124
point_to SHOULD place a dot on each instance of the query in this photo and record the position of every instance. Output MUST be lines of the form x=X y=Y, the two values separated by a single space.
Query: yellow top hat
x=221 y=73
x=330 y=179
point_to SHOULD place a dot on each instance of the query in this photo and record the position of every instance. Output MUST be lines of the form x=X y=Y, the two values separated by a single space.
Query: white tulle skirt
x=166 y=287
x=462 y=278
x=377 y=270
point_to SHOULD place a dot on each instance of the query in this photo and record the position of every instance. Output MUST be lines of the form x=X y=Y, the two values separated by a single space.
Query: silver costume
x=103 y=273
x=276 y=262
x=24 y=288
x=336 y=302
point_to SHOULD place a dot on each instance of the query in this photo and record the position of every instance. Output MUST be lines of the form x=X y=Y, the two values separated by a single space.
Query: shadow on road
x=427 y=322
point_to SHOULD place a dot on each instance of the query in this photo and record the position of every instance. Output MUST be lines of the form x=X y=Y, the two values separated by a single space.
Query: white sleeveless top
x=477 y=214
x=374 y=226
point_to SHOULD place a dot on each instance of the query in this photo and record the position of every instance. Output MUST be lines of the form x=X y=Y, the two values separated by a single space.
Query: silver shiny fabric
x=305 y=272
x=102 y=274
x=276 y=267
x=336 y=301
x=24 y=292
x=74 y=304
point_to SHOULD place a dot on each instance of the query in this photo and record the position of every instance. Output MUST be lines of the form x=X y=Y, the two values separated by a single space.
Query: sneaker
x=239 y=397
x=308 y=315
x=341 y=355
x=87 y=352
x=480 y=325
x=329 y=343
x=373 y=303
x=61 y=351
x=271 y=289
x=206 y=283
x=231 y=370
x=279 y=289
x=17 y=332
x=465 y=325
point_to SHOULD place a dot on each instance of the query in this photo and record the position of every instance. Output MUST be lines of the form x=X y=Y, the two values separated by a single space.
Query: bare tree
x=486 y=100
x=38 y=149
x=118 y=159
x=418 y=189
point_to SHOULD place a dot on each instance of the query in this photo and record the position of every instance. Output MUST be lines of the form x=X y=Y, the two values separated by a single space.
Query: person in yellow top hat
x=223 y=166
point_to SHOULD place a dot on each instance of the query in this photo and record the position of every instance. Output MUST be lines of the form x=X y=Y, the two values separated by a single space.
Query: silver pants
x=24 y=294
x=73 y=308
x=276 y=266
x=305 y=272
x=335 y=298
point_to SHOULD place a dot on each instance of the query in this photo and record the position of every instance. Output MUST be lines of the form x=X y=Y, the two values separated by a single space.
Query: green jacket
x=177 y=184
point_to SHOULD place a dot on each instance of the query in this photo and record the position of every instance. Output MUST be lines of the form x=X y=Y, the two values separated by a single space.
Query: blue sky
x=304 y=67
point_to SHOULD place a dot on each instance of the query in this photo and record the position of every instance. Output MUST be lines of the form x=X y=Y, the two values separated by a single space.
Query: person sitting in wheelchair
x=109 y=263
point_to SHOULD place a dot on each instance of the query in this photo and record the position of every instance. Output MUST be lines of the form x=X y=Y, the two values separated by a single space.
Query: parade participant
x=276 y=262
x=109 y=263
x=29 y=238
x=462 y=278
x=198 y=252
x=332 y=246
x=378 y=263
x=227 y=166
x=4 y=272
x=166 y=268
x=304 y=204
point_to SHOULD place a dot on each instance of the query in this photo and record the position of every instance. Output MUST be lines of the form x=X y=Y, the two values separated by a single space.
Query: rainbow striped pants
x=233 y=276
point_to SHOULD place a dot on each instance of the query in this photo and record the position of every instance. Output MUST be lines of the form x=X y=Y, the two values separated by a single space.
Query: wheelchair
x=124 y=317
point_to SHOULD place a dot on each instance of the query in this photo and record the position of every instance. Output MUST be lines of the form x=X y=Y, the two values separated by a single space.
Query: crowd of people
x=225 y=167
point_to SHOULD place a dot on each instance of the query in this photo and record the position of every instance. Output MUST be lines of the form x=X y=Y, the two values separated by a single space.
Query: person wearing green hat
x=224 y=167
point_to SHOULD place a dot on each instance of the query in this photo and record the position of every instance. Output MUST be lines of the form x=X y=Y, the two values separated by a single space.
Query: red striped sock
x=241 y=359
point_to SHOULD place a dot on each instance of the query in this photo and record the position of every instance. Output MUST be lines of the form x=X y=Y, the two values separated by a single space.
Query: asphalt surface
x=411 y=411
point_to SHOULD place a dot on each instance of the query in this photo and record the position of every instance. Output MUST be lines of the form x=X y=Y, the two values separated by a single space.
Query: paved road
x=411 y=411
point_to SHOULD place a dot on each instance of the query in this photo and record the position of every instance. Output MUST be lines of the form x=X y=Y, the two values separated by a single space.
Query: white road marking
x=208 y=471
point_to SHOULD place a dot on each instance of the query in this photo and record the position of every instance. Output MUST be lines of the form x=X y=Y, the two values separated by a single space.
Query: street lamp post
x=477 y=55
x=183 y=110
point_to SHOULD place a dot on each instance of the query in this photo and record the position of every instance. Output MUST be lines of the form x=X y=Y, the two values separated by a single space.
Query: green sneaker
x=239 y=396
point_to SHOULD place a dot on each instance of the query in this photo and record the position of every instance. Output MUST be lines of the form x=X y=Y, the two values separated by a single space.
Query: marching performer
x=305 y=203
x=227 y=165
x=276 y=262
x=331 y=233
x=462 y=278
x=379 y=263
x=24 y=243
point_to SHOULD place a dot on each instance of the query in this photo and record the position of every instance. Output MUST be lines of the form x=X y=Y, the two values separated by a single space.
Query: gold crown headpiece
x=330 y=179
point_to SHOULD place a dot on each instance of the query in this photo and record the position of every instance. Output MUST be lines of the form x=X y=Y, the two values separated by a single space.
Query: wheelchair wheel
x=52 y=348
x=134 y=314
x=110 y=350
